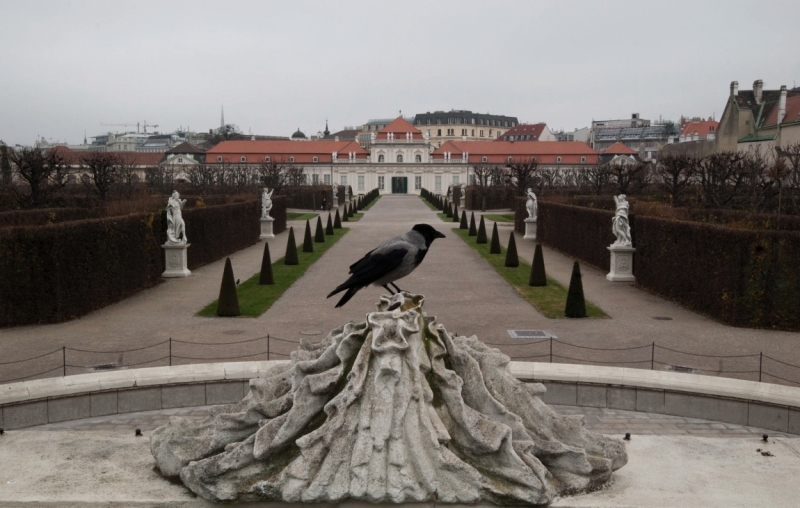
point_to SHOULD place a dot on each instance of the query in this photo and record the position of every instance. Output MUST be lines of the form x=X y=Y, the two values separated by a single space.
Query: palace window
x=463 y=132
x=399 y=158
x=380 y=182
x=418 y=158
x=344 y=180
x=417 y=182
x=327 y=179
x=437 y=183
x=380 y=158
x=315 y=179
x=455 y=179
x=490 y=133
x=473 y=133
x=481 y=132
x=428 y=121
x=438 y=132
x=360 y=182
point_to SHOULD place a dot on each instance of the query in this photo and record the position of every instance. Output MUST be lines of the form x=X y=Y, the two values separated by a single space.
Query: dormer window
x=266 y=159
x=291 y=159
x=244 y=159
x=418 y=158
x=399 y=158
x=583 y=160
x=180 y=159
x=315 y=159
x=558 y=160
x=484 y=159
x=380 y=158
x=533 y=159
x=510 y=160
x=219 y=158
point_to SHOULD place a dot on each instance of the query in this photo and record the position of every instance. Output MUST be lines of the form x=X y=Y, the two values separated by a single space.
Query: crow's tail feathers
x=347 y=296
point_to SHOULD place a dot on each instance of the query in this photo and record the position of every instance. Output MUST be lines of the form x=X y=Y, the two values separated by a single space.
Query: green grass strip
x=371 y=204
x=550 y=300
x=499 y=217
x=300 y=215
x=255 y=299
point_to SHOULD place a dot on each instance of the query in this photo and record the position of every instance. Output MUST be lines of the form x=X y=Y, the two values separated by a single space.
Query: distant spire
x=326 y=132
x=222 y=119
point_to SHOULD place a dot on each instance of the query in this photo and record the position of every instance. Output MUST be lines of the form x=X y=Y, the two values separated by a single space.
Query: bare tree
x=272 y=175
x=5 y=165
x=722 y=177
x=597 y=178
x=791 y=159
x=626 y=177
x=160 y=177
x=104 y=169
x=128 y=175
x=43 y=173
x=482 y=178
x=521 y=174
x=295 y=176
x=674 y=174
x=205 y=176
x=761 y=187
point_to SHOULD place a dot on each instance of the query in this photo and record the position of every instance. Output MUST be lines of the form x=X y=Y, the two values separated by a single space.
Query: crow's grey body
x=390 y=261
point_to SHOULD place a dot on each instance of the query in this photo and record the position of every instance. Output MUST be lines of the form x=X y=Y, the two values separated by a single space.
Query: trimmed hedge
x=309 y=197
x=496 y=198
x=62 y=271
x=741 y=277
x=43 y=216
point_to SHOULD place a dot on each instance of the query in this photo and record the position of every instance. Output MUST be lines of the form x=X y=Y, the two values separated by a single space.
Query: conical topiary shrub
x=455 y=212
x=291 y=250
x=482 y=232
x=576 y=304
x=308 y=244
x=337 y=221
x=463 y=224
x=329 y=227
x=228 y=303
x=346 y=215
x=494 y=248
x=319 y=234
x=538 y=276
x=512 y=261
x=448 y=211
x=473 y=231
x=352 y=209
x=266 y=278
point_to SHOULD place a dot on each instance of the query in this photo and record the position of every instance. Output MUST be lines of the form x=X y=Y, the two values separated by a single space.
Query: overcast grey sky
x=276 y=66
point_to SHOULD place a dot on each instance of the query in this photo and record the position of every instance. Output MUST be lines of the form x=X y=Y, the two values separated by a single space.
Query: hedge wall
x=43 y=216
x=217 y=231
x=309 y=197
x=278 y=212
x=741 y=277
x=496 y=198
x=61 y=271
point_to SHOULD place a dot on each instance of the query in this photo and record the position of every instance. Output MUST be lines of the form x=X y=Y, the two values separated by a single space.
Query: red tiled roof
x=702 y=128
x=281 y=150
x=399 y=126
x=498 y=152
x=74 y=158
x=186 y=147
x=524 y=130
x=619 y=149
x=792 y=111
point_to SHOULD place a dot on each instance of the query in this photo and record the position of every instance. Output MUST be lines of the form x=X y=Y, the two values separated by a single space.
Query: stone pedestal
x=266 y=227
x=176 y=261
x=530 y=229
x=463 y=203
x=335 y=201
x=621 y=264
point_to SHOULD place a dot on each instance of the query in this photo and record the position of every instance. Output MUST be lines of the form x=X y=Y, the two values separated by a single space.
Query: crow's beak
x=439 y=235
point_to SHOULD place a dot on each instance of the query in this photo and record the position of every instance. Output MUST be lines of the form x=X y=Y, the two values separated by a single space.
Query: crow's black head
x=428 y=232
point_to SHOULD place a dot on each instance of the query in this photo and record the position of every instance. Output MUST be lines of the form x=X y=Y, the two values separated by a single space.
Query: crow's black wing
x=372 y=267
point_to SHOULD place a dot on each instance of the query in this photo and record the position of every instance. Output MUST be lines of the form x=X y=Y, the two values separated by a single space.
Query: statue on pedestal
x=266 y=202
x=176 y=228
x=532 y=204
x=619 y=224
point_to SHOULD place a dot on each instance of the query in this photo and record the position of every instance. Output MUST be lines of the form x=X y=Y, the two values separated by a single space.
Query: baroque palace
x=401 y=159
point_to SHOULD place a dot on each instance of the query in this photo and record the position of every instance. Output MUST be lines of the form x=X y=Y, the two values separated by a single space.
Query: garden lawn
x=499 y=217
x=371 y=204
x=300 y=215
x=550 y=300
x=255 y=299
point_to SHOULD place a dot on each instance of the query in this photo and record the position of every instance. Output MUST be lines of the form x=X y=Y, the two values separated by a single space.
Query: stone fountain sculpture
x=266 y=219
x=391 y=410
x=176 y=261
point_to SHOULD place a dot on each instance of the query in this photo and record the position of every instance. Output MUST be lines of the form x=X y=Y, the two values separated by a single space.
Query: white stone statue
x=619 y=224
x=266 y=202
x=176 y=229
x=394 y=409
x=335 y=189
x=449 y=190
x=347 y=193
x=532 y=204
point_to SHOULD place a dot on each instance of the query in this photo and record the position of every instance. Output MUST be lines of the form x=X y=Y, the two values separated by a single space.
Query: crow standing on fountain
x=390 y=261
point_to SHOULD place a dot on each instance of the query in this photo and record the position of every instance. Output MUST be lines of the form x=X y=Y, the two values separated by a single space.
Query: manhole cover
x=233 y=332
x=311 y=333
x=530 y=334
x=662 y=318
x=680 y=368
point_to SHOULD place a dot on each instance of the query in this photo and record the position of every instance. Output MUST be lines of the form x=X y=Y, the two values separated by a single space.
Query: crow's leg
x=395 y=286
x=388 y=289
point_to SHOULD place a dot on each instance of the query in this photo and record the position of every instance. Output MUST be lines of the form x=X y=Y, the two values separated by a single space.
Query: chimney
x=758 y=87
x=734 y=88
x=782 y=105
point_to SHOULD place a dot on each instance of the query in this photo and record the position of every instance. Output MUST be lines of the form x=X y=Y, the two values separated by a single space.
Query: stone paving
x=460 y=289
x=605 y=421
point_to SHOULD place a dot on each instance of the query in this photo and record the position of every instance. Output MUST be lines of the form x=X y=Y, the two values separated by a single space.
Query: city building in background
x=463 y=125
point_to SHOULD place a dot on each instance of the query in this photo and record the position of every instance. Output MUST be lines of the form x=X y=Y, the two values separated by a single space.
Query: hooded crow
x=390 y=261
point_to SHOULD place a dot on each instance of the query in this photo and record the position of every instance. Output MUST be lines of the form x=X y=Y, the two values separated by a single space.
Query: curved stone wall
x=740 y=402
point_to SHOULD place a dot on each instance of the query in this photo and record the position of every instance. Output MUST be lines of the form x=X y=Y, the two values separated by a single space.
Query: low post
x=267 y=347
x=64 y=359
x=170 y=351
x=760 y=363
x=653 y=356
x=551 y=349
